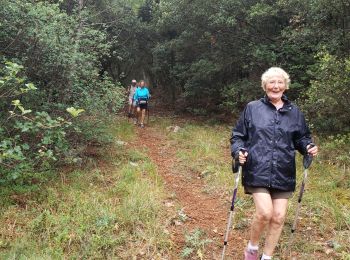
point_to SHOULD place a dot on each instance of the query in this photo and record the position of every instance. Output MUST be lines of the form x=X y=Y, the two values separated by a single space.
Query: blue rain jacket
x=271 y=137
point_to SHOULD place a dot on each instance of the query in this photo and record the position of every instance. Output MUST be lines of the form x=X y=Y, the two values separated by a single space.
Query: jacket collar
x=287 y=106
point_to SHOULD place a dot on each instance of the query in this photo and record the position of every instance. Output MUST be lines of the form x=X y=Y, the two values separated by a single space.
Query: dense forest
x=204 y=57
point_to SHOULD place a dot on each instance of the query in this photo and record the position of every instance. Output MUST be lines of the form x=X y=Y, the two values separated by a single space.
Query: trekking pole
x=307 y=160
x=147 y=115
x=229 y=221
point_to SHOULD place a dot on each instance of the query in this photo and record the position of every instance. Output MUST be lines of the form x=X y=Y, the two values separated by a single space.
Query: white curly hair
x=274 y=71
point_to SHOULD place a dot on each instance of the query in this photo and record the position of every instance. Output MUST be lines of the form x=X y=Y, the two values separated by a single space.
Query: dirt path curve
x=204 y=210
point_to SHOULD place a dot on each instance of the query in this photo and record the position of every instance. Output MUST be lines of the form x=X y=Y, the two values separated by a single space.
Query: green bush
x=237 y=95
x=28 y=139
x=327 y=104
x=60 y=53
x=101 y=96
x=336 y=149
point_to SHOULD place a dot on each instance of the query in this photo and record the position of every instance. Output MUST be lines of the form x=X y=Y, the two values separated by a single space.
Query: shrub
x=28 y=139
x=327 y=103
x=336 y=149
x=237 y=95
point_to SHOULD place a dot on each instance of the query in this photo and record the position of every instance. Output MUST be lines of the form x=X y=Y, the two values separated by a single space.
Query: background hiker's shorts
x=275 y=193
x=143 y=106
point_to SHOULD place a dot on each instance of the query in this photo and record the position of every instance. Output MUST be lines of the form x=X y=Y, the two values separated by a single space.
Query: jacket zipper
x=275 y=121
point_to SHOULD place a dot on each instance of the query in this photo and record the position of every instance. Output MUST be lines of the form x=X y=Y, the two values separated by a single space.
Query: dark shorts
x=275 y=193
x=143 y=106
x=142 y=103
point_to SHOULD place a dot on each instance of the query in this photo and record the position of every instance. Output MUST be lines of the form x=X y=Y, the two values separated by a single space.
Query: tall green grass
x=205 y=151
x=109 y=211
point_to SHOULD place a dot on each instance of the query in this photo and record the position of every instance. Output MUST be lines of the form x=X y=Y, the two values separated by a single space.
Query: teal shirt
x=141 y=93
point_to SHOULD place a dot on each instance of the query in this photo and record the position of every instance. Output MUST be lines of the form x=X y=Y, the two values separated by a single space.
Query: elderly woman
x=265 y=139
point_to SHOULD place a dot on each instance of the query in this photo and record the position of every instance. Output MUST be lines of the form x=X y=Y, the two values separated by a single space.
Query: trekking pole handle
x=235 y=161
x=307 y=160
x=243 y=150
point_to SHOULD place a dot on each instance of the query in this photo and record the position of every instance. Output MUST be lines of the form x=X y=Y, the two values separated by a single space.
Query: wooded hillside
x=65 y=66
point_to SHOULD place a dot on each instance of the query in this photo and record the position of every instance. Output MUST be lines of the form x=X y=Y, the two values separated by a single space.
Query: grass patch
x=205 y=150
x=109 y=211
x=122 y=130
x=324 y=217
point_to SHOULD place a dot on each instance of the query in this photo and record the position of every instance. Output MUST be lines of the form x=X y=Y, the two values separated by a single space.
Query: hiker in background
x=131 y=93
x=270 y=130
x=142 y=96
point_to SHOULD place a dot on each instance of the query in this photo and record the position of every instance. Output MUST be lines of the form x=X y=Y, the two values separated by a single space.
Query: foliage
x=211 y=49
x=200 y=58
x=28 y=139
x=195 y=244
x=204 y=56
x=328 y=96
x=60 y=51
x=103 y=98
x=74 y=112
x=201 y=61
x=128 y=38
x=336 y=150
x=237 y=95
x=109 y=213
x=202 y=151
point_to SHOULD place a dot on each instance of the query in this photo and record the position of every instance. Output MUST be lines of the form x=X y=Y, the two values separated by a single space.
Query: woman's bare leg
x=143 y=115
x=262 y=216
x=138 y=114
x=276 y=225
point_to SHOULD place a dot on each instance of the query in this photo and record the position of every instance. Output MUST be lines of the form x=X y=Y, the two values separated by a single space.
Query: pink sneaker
x=250 y=254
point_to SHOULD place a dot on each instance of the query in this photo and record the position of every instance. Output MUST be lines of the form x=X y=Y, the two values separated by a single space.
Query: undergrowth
x=107 y=209
x=196 y=242
x=111 y=207
x=205 y=151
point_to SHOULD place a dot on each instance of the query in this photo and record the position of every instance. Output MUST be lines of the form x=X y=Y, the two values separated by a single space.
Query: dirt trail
x=204 y=210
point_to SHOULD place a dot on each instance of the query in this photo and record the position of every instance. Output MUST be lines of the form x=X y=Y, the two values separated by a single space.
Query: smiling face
x=275 y=87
